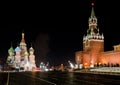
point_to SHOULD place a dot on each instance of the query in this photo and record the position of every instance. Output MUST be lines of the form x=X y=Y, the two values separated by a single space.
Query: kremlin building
x=93 y=47
x=21 y=58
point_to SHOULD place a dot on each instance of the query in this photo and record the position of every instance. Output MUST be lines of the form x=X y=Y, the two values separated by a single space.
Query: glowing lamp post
x=86 y=64
x=78 y=62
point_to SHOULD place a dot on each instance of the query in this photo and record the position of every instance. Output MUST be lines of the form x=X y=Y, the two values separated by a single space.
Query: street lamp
x=78 y=62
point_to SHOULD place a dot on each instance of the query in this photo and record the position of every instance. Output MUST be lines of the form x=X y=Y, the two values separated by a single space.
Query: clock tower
x=93 y=42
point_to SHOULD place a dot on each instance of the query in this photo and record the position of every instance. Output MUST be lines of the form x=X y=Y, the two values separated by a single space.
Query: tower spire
x=11 y=43
x=92 y=11
x=93 y=30
x=23 y=40
x=31 y=44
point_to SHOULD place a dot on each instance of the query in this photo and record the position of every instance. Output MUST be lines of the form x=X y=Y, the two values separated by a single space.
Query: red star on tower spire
x=92 y=4
x=92 y=11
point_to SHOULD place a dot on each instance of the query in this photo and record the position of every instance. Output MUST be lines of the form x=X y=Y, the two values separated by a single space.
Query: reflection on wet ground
x=57 y=78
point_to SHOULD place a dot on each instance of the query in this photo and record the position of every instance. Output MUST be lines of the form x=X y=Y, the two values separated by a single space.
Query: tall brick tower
x=93 y=42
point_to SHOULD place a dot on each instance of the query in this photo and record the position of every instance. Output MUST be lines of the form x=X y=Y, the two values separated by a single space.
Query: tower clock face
x=95 y=31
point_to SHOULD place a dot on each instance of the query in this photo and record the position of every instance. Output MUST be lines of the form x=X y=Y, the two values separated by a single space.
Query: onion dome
x=11 y=50
x=31 y=49
x=17 y=49
x=26 y=53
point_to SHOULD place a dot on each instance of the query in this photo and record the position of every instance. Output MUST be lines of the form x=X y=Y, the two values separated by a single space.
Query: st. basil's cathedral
x=20 y=58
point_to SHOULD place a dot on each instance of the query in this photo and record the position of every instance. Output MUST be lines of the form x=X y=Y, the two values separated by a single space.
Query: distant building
x=93 y=47
x=19 y=58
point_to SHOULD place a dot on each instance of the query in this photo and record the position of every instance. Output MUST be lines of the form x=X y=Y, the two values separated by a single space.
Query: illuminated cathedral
x=21 y=58
x=93 y=47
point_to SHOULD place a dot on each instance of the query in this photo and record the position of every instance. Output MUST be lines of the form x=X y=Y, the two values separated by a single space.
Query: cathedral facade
x=21 y=57
x=93 y=47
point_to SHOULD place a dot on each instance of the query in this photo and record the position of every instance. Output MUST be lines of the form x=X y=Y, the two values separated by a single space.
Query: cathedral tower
x=23 y=47
x=32 y=58
x=11 y=58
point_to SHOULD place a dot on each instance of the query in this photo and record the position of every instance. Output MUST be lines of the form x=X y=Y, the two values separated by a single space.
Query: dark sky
x=60 y=27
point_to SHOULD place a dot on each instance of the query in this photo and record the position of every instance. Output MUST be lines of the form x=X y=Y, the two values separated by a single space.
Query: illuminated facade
x=20 y=58
x=93 y=47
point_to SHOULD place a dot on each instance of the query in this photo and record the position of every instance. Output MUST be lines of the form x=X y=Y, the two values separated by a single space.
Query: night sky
x=60 y=27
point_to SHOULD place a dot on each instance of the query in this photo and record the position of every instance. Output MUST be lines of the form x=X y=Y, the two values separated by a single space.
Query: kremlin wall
x=93 y=47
